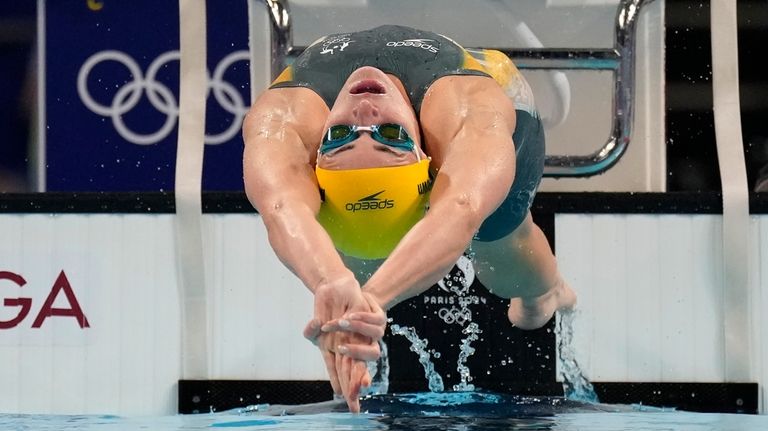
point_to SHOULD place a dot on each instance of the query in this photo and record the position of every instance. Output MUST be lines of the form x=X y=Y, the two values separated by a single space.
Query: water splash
x=460 y=289
x=466 y=350
x=419 y=346
x=576 y=386
x=379 y=371
x=457 y=283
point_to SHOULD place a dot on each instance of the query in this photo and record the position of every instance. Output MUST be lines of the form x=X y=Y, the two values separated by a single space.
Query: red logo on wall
x=60 y=286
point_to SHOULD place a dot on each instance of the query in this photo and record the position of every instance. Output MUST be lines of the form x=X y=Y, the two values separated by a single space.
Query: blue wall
x=118 y=131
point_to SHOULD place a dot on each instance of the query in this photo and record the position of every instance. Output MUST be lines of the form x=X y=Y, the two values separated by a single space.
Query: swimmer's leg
x=521 y=266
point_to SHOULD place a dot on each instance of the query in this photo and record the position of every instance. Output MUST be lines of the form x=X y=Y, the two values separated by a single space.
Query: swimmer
x=375 y=161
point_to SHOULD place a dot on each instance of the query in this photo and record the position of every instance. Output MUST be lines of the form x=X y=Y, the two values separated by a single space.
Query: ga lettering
x=61 y=285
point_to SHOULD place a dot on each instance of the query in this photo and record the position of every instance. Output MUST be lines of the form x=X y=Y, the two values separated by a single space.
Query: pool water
x=417 y=412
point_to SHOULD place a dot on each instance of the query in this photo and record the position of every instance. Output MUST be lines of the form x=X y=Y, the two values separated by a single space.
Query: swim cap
x=367 y=211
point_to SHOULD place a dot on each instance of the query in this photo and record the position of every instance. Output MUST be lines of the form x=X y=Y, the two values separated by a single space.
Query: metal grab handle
x=620 y=60
x=282 y=36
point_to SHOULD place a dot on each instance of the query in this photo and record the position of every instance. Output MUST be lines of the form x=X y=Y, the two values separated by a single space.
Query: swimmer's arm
x=472 y=144
x=279 y=132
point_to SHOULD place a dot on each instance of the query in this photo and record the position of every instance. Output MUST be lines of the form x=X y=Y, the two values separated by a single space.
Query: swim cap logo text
x=371 y=202
x=425 y=44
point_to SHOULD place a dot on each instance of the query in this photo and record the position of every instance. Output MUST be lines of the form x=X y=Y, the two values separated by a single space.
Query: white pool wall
x=650 y=289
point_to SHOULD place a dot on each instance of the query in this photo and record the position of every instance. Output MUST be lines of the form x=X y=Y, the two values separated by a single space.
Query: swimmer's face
x=370 y=97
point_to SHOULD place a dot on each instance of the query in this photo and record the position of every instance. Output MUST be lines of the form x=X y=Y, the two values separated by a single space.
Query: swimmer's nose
x=365 y=112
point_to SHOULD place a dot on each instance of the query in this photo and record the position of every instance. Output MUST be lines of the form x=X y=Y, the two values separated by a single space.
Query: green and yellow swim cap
x=367 y=211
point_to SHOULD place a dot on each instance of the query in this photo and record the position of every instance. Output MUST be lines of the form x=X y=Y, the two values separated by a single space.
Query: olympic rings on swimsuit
x=160 y=96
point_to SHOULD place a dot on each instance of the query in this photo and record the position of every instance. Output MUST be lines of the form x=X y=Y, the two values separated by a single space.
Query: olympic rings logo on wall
x=160 y=96
x=455 y=315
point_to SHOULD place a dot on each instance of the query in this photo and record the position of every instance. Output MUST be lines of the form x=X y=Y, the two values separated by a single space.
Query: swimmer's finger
x=326 y=343
x=368 y=317
x=330 y=367
x=344 y=366
x=356 y=326
x=366 y=382
x=312 y=331
x=351 y=371
x=359 y=377
x=362 y=352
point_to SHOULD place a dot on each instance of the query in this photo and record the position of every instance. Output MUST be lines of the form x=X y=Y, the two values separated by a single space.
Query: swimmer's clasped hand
x=345 y=350
x=312 y=331
x=370 y=325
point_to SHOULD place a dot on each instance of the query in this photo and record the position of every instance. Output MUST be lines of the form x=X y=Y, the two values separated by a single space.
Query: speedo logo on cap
x=372 y=202
x=426 y=44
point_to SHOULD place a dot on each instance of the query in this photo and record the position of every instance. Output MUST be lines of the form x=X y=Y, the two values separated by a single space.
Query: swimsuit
x=418 y=58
